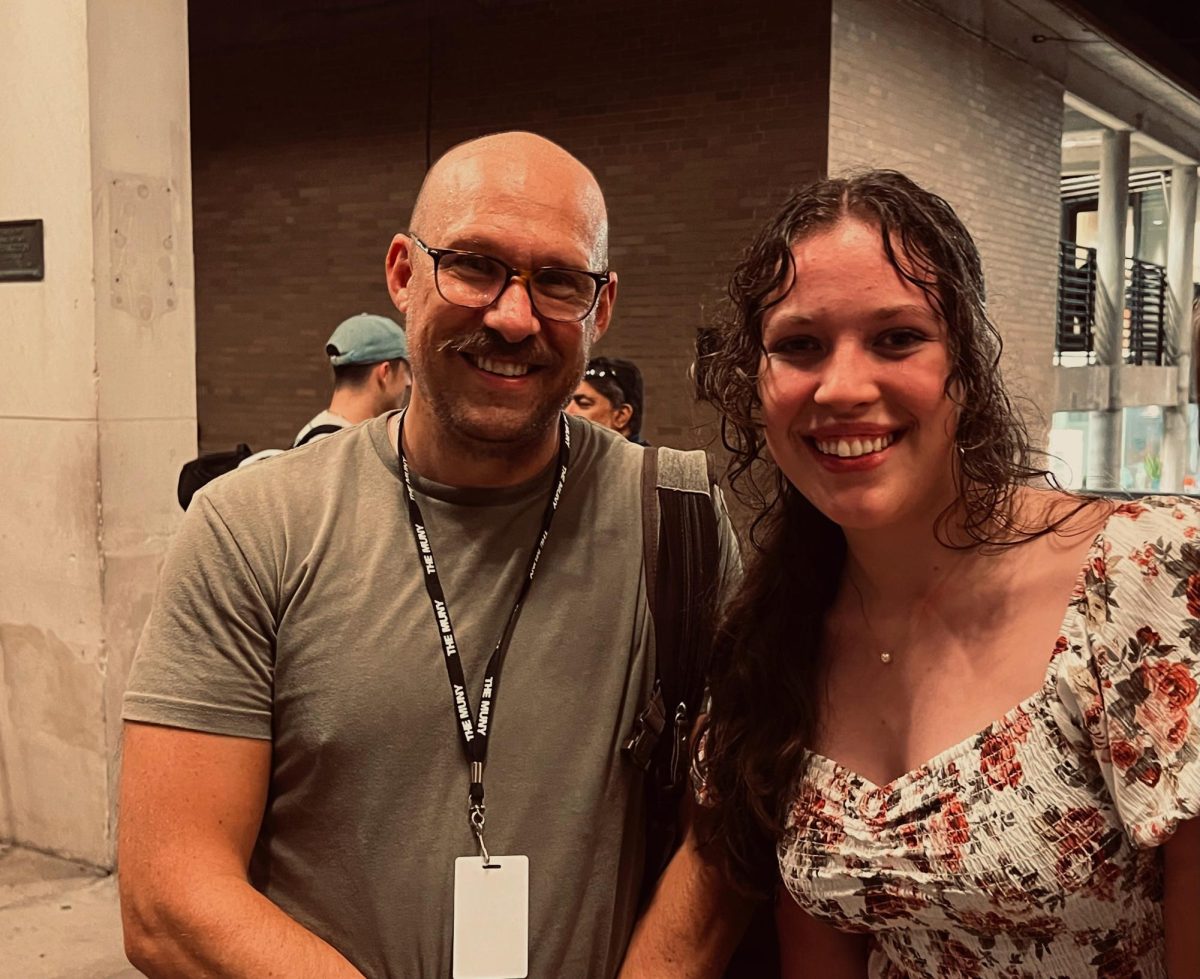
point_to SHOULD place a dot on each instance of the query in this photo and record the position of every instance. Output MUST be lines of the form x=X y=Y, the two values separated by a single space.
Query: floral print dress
x=1031 y=848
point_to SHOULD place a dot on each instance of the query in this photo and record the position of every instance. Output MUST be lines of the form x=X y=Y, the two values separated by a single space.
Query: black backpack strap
x=682 y=561
x=316 y=431
x=648 y=727
x=681 y=556
x=686 y=593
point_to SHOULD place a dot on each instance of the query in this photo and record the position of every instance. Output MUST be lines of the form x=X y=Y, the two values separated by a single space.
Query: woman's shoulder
x=1068 y=514
x=1131 y=541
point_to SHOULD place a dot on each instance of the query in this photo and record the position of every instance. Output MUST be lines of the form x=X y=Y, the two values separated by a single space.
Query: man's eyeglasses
x=475 y=280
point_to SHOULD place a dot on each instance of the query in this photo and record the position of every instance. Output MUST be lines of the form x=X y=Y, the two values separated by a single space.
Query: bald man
x=374 y=726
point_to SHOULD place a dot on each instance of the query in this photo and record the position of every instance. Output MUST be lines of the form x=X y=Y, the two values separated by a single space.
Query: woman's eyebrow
x=883 y=313
x=793 y=319
x=903 y=309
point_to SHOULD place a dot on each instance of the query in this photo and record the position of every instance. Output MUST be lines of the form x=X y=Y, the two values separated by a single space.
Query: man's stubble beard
x=474 y=427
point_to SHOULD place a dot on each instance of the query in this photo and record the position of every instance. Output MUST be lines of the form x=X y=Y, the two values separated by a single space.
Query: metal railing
x=1075 y=332
x=1144 y=338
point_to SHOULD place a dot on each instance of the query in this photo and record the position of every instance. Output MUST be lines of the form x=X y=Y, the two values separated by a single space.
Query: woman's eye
x=793 y=346
x=901 y=339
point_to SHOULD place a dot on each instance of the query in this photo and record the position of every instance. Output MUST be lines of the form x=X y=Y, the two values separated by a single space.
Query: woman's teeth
x=851 y=448
x=501 y=367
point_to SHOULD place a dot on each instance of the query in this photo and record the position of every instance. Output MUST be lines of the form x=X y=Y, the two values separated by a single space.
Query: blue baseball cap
x=366 y=339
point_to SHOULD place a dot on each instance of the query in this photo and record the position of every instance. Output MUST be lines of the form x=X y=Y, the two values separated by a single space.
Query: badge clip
x=477 y=812
x=477 y=820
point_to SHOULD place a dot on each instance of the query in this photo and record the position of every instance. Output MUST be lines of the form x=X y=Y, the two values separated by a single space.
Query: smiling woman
x=952 y=710
x=853 y=380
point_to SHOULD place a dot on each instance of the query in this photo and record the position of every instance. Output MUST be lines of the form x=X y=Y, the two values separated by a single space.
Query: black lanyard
x=474 y=731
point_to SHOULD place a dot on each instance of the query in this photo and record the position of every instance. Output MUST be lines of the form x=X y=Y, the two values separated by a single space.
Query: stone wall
x=912 y=90
x=97 y=403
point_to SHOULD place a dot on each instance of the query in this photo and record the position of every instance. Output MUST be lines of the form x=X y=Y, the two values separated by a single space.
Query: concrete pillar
x=1181 y=234
x=97 y=390
x=1104 y=435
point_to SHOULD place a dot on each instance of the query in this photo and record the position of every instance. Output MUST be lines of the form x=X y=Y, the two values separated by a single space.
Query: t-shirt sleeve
x=206 y=657
x=1136 y=687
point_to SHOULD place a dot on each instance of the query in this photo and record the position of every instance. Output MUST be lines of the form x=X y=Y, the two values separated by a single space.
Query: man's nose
x=847 y=378
x=512 y=315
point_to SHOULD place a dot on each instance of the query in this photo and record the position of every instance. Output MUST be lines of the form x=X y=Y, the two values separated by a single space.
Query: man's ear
x=398 y=267
x=604 y=305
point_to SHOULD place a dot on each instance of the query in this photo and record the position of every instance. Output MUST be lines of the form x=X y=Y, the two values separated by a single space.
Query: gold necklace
x=886 y=656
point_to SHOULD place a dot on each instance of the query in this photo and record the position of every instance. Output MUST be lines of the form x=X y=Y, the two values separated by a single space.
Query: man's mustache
x=489 y=343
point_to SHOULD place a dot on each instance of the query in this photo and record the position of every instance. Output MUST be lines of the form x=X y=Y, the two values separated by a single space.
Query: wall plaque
x=21 y=255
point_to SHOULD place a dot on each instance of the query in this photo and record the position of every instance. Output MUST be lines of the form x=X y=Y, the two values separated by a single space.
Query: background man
x=611 y=394
x=369 y=355
x=296 y=779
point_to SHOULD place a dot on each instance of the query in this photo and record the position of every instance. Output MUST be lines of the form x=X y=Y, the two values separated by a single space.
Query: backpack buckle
x=679 y=746
x=647 y=729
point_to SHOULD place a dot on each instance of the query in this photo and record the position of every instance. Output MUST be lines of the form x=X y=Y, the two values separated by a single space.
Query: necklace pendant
x=885 y=657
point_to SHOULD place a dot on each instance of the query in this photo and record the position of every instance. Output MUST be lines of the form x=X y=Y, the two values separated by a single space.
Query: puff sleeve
x=1136 y=682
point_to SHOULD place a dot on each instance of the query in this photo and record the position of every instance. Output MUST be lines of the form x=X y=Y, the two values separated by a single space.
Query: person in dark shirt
x=611 y=395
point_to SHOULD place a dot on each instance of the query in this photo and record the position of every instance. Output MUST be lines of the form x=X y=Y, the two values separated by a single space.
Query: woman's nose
x=846 y=378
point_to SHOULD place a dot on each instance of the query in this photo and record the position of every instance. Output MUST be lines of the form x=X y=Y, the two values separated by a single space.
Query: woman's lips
x=853 y=453
x=854 y=446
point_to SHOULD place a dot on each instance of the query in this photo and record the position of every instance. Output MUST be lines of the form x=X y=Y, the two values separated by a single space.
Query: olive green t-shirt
x=292 y=608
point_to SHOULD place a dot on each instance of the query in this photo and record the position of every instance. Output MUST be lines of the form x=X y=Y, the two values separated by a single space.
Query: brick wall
x=912 y=91
x=310 y=140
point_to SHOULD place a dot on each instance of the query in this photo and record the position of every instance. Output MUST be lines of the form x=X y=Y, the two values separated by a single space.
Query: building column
x=1181 y=233
x=1104 y=430
x=97 y=400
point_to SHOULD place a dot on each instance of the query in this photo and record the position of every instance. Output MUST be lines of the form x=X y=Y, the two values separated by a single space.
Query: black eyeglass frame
x=601 y=279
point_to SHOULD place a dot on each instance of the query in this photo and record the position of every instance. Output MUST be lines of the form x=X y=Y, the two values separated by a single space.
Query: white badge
x=491 y=918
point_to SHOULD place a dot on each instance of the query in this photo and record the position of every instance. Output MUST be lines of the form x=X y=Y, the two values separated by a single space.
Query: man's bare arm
x=1181 y=900
x=693 y=923
x=191 y=806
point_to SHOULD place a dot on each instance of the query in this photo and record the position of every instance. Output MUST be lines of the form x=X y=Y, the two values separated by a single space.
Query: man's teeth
x=501 y=367
x=850 y=448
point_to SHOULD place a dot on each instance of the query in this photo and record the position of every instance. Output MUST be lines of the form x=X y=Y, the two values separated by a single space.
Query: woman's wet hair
x=767 y=671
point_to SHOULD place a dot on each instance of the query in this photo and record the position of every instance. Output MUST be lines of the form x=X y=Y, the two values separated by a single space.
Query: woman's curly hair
x=766 y=667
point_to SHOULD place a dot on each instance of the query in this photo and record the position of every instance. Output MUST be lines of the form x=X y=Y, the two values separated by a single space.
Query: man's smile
x=502 y=368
